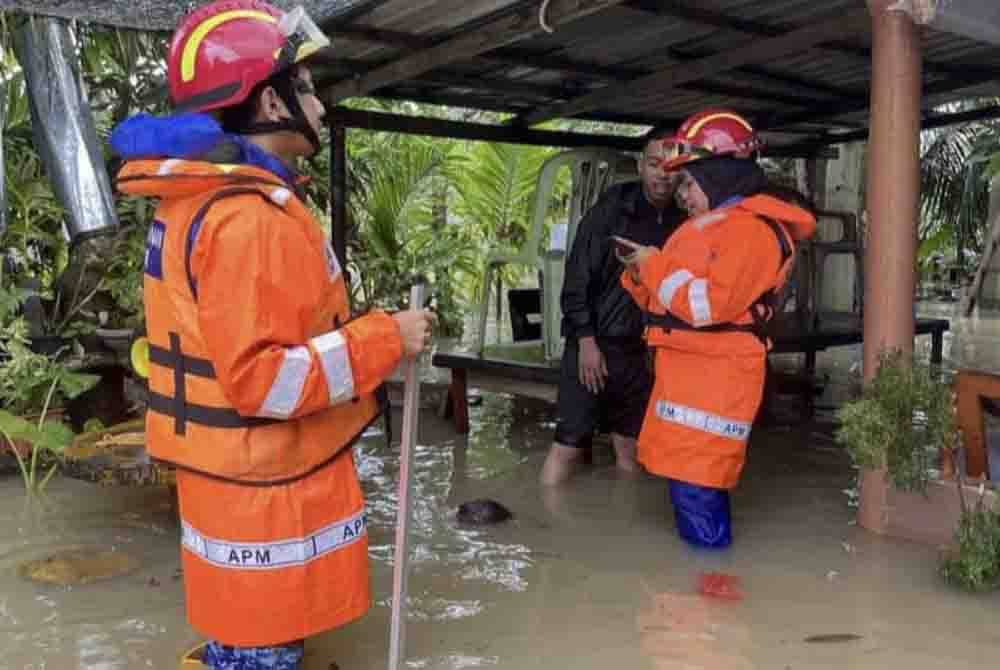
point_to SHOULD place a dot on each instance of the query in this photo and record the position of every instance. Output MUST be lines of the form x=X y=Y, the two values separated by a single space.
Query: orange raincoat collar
x=800 y=223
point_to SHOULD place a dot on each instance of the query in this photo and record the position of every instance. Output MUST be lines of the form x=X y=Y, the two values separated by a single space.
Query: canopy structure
x=799 y=69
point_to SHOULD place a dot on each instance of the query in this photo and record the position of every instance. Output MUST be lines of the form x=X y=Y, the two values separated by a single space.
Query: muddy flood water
x=588 y=577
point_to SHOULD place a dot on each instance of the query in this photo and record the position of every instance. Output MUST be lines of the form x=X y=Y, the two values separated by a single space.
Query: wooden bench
x=838 y=331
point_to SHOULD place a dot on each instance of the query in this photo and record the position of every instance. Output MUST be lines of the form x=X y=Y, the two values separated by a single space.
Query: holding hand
x=415 y=329
x=633 y=262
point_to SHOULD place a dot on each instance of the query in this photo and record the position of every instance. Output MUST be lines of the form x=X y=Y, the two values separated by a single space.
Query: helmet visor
x=304 y=36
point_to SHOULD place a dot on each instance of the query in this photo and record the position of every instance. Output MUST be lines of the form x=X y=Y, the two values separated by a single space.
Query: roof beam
x=492 y=35
x=929 y=122
x=830 y=111
x=761 y=51
x=417 y=125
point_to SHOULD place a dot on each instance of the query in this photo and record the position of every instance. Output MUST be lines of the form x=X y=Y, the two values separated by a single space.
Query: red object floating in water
x=718 y=585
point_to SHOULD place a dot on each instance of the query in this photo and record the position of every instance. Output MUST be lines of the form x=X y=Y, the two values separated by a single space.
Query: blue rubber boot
x=702 y=514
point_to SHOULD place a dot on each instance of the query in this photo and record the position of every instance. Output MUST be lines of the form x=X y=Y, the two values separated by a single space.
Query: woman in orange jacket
x=260 y=381
x=707 y=295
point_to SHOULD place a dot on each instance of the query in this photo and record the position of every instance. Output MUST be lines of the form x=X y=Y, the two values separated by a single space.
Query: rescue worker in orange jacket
x=260 y=381
x=707 y=295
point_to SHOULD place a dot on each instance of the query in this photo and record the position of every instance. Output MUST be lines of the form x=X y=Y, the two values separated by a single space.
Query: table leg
x=458 y=396
x=937 y=347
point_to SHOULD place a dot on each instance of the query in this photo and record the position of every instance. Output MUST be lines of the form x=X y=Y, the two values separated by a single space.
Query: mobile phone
x=624 y=248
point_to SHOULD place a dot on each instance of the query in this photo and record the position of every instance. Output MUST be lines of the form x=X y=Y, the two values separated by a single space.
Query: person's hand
x=591 y=366
x=635 y=260
x=415 y=329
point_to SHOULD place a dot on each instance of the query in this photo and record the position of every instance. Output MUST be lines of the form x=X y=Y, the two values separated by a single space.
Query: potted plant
x=902 y=434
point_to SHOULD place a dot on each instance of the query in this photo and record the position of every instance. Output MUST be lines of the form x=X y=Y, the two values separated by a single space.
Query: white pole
x=401 y=563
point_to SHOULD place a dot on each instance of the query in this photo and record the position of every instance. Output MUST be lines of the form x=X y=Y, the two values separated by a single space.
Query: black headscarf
x=725 y=177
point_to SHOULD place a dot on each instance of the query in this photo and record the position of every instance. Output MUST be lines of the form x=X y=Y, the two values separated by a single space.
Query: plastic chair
x=593 y=172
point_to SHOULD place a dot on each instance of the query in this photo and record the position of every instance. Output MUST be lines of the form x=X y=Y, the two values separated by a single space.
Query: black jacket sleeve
x=585 y=266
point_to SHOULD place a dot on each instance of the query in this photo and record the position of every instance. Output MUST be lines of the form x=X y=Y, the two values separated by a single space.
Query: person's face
x=659 y=184
x=312 y=106
x=690 y=197
x=297 y=144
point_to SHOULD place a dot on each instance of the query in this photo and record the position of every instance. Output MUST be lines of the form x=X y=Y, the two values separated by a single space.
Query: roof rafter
x=494 y=34
x=670 y=77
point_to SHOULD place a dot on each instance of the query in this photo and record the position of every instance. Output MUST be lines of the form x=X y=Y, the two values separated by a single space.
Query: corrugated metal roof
x=640 y=37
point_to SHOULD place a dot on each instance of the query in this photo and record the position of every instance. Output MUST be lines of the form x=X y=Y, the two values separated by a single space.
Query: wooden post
x=338 y=191
x=893 y=183
x=892 y=203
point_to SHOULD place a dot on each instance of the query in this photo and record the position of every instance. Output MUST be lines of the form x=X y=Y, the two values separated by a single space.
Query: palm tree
x=954 y=183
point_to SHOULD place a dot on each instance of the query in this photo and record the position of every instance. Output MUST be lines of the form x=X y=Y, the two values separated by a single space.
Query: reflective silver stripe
x=286 y=390
x=167 y=166
x=701 y=309
x=274 y=555
x=670 y=285
x=336 y=361
x=704 y=421
x=706 y=220
x=280 y=196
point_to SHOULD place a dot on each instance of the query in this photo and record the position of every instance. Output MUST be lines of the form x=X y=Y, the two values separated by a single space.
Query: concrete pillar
x=893 y=183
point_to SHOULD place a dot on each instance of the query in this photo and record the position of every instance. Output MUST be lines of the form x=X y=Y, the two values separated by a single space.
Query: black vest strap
x=182 y=411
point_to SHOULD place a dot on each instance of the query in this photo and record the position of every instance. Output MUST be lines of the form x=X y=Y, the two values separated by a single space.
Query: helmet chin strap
x=298 y=123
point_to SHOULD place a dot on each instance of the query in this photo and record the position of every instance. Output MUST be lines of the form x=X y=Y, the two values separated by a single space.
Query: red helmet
x=224 y=49
x=712 y=132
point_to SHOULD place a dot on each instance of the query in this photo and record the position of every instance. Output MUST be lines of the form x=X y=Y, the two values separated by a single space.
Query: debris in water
x=832 y=575
x=482 y=511
x=833 y=638
x=78 y=566
x=718 y=585
x=153 y=581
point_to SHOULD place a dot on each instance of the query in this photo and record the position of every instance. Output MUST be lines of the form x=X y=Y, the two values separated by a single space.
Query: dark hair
x=238 y=118
x=657 y=133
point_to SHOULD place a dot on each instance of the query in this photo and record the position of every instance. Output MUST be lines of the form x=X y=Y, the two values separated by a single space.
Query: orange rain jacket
x=258 y=386
x=708 y=388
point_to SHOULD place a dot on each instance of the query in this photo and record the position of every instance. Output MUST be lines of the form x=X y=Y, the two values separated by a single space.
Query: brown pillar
x=892 y=204
x=893 y=184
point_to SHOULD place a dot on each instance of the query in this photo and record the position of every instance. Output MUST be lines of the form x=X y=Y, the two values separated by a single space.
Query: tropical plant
x=974 y=564
x=400 y=239
x=955 y=167
x=495 y=191
x=903 y=421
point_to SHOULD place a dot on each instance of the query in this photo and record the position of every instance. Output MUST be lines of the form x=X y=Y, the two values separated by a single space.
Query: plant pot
x=930 y=517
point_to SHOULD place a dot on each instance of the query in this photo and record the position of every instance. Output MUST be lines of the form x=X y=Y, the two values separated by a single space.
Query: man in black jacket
x=606 y=377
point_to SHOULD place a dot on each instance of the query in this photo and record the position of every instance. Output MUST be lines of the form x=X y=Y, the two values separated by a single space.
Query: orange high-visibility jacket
x=712 y=271
x=258 y=386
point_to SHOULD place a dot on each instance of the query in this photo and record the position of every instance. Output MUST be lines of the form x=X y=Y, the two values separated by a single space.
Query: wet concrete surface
x=590 y=576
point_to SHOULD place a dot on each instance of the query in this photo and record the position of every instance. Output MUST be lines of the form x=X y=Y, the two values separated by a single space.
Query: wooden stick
x=401 y=562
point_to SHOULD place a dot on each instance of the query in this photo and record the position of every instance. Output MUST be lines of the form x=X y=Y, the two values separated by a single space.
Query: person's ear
x=271 y=107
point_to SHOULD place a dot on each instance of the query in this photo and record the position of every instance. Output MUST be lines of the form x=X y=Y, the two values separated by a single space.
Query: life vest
x=761 y=311
x=689 y=253
x=259 y=382
x=301 y=404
